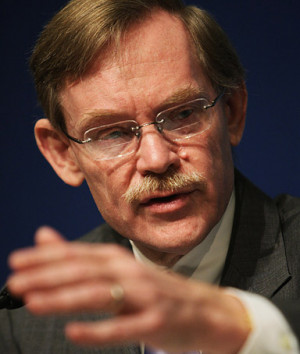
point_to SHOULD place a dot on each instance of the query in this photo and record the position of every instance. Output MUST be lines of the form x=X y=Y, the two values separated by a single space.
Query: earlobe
x=235 y=111
x=56 y=149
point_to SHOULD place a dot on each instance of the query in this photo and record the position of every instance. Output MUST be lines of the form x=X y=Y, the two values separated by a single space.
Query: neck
x=162 y=259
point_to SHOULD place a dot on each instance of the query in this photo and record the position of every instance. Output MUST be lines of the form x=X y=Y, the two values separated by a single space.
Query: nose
x=155 y=153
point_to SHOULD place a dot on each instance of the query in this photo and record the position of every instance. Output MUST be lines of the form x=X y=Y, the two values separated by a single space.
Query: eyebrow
x=183 y=95
x=179 y=96
x=105 y=116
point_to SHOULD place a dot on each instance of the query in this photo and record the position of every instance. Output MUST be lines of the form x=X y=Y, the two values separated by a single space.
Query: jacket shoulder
x=289 y=213
x=289 y=208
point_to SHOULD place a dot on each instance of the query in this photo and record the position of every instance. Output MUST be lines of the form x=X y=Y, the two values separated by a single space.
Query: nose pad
x=138 y=130
x=159 y=127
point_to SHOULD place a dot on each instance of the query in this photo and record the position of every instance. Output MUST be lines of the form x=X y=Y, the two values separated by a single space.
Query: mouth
x=163 y=199
x=166 y=203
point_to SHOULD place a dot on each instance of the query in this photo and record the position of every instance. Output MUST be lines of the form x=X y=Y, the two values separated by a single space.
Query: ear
x=56 y=149
x=235 y=111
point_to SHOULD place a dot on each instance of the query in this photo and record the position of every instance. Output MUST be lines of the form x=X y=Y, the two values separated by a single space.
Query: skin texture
x=164 y=310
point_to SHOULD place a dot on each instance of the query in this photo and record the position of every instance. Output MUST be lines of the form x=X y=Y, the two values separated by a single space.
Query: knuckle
x=156 y=321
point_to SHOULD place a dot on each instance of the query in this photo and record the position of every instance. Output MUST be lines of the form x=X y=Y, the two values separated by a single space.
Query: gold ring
x=117 y=294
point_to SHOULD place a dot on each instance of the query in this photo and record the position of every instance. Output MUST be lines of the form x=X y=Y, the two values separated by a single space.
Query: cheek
x=221 y=164
x=207 y=153
x=108 y=181
x=210 y=155
x=218 y=142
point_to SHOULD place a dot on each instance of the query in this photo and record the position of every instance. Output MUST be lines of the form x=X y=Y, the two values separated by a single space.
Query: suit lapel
x=256 y=258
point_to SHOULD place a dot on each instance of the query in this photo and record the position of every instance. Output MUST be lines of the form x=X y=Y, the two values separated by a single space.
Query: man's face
x=157 y=66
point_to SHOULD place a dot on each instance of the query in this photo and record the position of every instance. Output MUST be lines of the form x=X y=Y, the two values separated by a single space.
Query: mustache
x=171 y=181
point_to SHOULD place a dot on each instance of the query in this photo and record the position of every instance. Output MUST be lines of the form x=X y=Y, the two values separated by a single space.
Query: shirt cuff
x=271 y=332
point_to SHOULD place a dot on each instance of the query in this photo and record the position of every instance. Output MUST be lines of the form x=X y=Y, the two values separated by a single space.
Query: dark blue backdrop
x=266 y=35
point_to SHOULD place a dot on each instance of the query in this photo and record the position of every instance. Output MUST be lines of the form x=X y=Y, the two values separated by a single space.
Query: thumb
x=46 y=235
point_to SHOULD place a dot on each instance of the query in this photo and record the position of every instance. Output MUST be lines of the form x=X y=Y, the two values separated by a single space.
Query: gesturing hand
x=159 y=308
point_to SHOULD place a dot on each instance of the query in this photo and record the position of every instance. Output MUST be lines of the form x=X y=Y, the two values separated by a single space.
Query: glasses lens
x=112 y=140
x=186 y=120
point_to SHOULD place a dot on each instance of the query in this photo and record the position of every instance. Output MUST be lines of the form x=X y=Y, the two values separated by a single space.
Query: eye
x=183 y=114
x=112 y=134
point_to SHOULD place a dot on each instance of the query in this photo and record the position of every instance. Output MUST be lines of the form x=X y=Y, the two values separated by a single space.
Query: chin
x=172 y=238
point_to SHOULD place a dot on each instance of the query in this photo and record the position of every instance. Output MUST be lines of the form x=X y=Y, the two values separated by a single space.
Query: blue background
x=266 y=35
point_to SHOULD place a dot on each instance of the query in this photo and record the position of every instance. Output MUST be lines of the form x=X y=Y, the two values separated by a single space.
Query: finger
x=117 y=330
x=83 y=297
x=147 y=327
x=35 y=256
x=60 y=273
x=46 y=235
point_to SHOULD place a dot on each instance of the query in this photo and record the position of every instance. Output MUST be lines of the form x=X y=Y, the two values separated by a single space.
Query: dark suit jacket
x=263 y=258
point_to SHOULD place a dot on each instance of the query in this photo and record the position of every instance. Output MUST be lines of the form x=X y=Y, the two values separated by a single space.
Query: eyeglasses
x=121 y=138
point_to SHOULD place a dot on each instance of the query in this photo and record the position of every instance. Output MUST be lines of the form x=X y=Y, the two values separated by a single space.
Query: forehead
x=154 y=61
x=159 y=36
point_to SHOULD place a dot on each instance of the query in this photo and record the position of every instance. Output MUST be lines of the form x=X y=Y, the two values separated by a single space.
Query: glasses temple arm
x=78 y=141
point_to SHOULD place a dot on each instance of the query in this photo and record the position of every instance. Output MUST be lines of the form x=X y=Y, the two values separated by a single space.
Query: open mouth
x=167 y=199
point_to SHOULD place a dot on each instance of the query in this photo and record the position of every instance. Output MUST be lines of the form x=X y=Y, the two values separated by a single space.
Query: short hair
x=84 y=29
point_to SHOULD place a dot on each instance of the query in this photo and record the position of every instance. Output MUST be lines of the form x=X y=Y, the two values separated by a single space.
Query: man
x=144 y=101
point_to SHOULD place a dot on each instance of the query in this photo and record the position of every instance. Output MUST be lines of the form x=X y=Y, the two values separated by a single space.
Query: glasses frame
x=156 y=122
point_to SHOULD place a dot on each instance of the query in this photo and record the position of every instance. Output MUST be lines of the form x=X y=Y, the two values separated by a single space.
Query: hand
x=162 y=309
